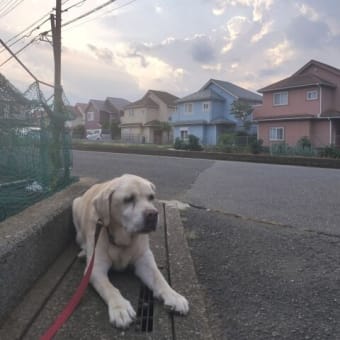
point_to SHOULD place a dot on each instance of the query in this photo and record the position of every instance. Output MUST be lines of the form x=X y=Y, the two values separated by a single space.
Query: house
x=99 y=114
x=207 y=113
x=306 y=104
x=147 y=119
x=77 y=115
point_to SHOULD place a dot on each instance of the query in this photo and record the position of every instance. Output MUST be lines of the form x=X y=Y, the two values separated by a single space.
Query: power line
x=19 y=51
x=88 y=13
x=101 y=15
x=78 y=4
x=38 y=24
x=28 y=27
x=26 y=35
x=14 y=4
x=5 y=5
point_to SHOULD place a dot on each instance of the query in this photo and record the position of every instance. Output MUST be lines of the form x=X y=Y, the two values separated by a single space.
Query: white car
x=94 y=135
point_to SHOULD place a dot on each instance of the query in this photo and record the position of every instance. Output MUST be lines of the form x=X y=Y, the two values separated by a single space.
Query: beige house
x=147 y=119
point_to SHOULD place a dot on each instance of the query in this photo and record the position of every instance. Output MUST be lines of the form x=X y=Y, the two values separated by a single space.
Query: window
x=90 y=116
x=280 y=98
x=276 y=134
x=312 y=95
x=184 y=134
x=205 y=107
x=188 y=107
x=131 y=113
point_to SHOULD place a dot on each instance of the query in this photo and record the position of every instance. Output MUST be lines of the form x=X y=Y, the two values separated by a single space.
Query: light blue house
x=206 y=113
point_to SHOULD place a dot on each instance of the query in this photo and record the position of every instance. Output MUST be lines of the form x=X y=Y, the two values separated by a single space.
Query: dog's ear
x=102 y=202
x=153 y=187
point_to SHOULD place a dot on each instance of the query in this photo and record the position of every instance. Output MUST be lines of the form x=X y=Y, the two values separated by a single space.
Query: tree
x=241 y=110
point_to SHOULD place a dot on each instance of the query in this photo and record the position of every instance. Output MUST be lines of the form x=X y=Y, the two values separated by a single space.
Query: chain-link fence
x=35 y=149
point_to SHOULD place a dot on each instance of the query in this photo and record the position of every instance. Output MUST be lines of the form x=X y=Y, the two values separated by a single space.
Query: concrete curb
x=31 y=240
x=267 y=159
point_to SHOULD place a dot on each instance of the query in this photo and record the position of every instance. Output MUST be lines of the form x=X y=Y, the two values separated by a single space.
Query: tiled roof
x=81 y=107
x=235 y=90
x=330 y=114
x=168 y=98
x=300 y=80
x=153 y=123
x=117 y=103
x=97 y=104
x=285 y=117
x=201 y=95
x=318 y=64
x=144 y=102
x=220 y=121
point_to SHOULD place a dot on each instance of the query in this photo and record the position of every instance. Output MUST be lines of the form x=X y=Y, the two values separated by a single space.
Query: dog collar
x=112 y=239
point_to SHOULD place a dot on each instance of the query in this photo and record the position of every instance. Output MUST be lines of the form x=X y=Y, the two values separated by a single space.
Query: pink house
x=305 y=104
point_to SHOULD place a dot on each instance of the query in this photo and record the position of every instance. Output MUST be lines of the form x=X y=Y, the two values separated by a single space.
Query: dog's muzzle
x=150 y=221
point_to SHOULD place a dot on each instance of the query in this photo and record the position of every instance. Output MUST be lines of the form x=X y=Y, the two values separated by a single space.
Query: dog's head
x=128 y=201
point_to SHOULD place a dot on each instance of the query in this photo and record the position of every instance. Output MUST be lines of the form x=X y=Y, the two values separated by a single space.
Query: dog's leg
x=121 y=313
x=146 y=268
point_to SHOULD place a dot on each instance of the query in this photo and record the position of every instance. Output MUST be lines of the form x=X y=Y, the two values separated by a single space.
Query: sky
x=129 y=46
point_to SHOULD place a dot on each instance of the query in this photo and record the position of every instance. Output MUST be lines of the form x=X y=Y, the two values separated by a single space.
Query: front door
x=157 y=136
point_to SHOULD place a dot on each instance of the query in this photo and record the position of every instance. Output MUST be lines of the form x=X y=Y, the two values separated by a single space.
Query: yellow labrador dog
x=125 y=206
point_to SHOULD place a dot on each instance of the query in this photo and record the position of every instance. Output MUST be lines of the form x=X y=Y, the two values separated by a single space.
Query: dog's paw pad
x=176 y=303
x=121 y=314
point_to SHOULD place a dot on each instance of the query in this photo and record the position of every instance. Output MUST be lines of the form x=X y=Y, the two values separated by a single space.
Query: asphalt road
x=265 y=246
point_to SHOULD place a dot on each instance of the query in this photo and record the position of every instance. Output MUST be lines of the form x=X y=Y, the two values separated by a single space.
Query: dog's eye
x=151 y=197
x=129 y=199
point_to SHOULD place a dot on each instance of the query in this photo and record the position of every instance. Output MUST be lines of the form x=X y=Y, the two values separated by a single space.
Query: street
x=264 y=239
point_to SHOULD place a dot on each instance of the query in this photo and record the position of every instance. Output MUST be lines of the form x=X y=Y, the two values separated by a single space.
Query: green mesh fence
x=35 y=148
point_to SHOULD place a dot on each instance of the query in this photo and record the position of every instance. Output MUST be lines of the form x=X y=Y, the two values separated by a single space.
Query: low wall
x=285 y=160
x=31 y=241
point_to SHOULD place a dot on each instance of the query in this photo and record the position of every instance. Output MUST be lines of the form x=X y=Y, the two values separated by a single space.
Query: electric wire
x=19 y=51
x=15 y=4
x=101 y=15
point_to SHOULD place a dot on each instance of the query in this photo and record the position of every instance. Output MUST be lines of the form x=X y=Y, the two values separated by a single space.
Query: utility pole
x=56 y=39
x=58 y=121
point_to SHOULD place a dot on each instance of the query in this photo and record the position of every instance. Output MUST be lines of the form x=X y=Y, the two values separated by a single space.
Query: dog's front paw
x=176 y=302
x=121 y=313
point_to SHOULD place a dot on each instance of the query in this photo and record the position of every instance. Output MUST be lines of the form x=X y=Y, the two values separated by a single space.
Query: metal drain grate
x=144 y=322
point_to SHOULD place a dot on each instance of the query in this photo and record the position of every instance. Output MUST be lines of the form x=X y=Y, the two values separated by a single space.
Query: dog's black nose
x=150 y=219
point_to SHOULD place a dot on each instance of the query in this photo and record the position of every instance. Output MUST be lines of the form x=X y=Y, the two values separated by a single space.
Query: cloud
x=202 y=50
x=234 y=28
x=265 y=29
x=307 y=34
x=103 y=54
x=259 y=7
x=308 y=11
x=279 y=54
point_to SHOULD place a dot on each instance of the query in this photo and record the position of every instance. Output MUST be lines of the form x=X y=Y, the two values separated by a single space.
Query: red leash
x=73 y=303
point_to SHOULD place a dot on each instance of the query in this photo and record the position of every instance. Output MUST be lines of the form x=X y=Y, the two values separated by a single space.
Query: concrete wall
x=31 y=241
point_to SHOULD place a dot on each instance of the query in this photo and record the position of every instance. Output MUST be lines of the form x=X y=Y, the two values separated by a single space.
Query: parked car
x=94 y=135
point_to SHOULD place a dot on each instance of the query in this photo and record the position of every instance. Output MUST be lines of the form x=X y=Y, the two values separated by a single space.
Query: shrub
x=304 y=143
x=226 y=139
x=330 y=152
x=192 y=144
x=179 y=144
x=256 y=146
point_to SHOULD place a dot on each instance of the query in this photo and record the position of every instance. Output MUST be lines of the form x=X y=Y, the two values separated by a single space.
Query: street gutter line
x=258 y=220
